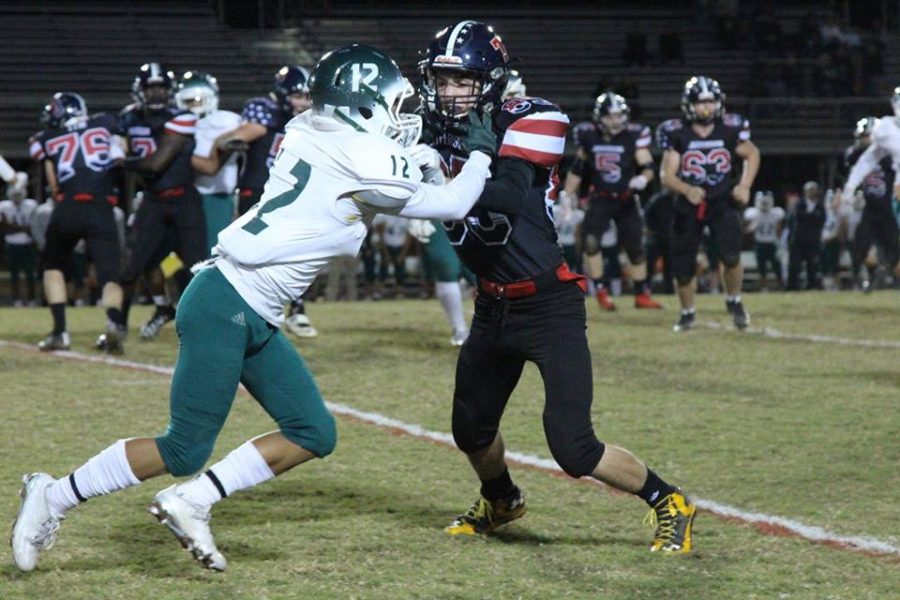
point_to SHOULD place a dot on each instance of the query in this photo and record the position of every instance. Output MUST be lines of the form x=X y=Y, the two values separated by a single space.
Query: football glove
x=480 y=135
x=421 y=229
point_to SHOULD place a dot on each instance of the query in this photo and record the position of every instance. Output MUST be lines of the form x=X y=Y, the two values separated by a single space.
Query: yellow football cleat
x=673 y=518
x=487 y=515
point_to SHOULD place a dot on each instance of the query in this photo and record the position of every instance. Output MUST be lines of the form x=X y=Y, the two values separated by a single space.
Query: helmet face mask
x=703 y=100
x=363 y=88
x=198 y=92
x=611 y=113
x=469 y=52
x=153 y=87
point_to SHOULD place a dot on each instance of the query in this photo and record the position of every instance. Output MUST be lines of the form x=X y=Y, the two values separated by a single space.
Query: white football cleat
x=300 y=326
x=190 y=524
x=35 y=528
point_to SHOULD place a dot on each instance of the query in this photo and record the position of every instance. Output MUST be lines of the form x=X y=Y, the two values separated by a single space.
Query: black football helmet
x=290 y=79
x=470 y=49
x=154 y=87
x=63 y=107
x=46 y=118
x=702 y=89
x=611 y=113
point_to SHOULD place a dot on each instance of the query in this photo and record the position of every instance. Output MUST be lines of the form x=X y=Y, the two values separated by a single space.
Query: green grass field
x=797 y=429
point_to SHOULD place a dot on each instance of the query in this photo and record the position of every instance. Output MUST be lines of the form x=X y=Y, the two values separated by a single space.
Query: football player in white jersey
x=885 y=143
x=216 y=177
x=339 y=165
x=765 y=221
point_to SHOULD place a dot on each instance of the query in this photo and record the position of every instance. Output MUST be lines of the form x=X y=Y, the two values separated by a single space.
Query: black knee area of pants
x=731 y=260
x=573 y=444
x=469 y=434
x=684 y=279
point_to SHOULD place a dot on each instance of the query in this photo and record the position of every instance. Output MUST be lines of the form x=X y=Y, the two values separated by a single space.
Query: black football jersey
x=82 y=154
x=504 y=248
x=707 y=162
x=144 y=133
x=262 y=151
x=878 y=186
x=611 y=164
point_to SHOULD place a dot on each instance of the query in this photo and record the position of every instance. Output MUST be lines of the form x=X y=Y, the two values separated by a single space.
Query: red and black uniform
x=609 y=166
x=83 y=154
x=706 y=162
x=171 y=203
x=877 y=225
x=529 y=306
x=262 y=151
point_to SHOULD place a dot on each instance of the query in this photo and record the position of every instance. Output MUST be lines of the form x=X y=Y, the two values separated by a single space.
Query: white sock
x=103 y=474
x=244 y=467
x=450 y=296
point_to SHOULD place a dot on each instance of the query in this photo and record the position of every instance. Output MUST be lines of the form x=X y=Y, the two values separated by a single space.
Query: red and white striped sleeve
x=539 y=138
x=184 y=123
x=36 y=148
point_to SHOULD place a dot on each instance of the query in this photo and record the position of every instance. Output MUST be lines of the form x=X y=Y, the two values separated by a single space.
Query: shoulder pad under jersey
x=533 y=130
x=582 y=132
x=667 y=131
x=387 y=175
x=641 y=133
x=263 y=111
x=736 y=121
x=182 y=121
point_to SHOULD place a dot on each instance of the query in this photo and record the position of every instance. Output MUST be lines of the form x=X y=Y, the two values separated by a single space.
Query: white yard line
x=771 y=332
x=768 y=524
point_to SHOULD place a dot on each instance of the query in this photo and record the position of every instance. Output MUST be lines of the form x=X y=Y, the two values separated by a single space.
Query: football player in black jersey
x=160 y=141
x=529 y=306
x=78 y=152
x=261 y=131
x=700 y=153
x=877 y=226
x=615 y=157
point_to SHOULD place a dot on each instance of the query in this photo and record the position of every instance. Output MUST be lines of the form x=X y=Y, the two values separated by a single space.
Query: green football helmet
x=364 y=88
x=198 y=92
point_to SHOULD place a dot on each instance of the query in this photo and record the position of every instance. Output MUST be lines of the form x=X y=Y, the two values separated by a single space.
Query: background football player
x=700 y=156
x=615 y=157
x=160 y=141
x=877 y=225
x=262 y=130
x=765 y=221
x=16 y=213
x=339 y=165
x=216 y=179
x=78 y=152
x=530 y=306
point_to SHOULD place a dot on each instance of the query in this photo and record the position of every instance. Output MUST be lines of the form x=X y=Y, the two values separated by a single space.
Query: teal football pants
x=219 y=212
x=223 y=342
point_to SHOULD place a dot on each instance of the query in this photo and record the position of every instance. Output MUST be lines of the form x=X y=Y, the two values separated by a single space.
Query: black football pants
x=547 y=329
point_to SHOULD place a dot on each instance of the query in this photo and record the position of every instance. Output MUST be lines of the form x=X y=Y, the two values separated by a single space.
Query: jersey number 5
x=301 y=173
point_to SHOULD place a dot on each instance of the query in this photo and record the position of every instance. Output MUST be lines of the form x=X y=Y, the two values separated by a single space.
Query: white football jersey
x=208 y=129
x=18 y=213
x=324 y=188
x=885 y=142
x=764 y=224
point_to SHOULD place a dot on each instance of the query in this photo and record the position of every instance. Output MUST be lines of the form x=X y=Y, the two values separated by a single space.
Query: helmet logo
x=364 y=73
x=497 y=44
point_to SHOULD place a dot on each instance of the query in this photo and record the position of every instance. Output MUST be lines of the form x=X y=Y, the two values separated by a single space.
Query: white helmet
x=198 y=92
